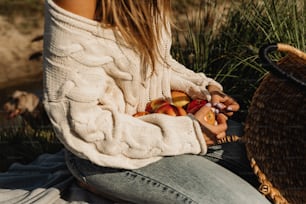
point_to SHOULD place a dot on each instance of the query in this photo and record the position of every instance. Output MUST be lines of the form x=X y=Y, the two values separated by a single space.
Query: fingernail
x=208 y=104
x=229 y=108
x=217 y=111
x=219 y=106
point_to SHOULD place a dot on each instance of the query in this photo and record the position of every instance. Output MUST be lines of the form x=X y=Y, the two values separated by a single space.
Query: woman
x=103 y=62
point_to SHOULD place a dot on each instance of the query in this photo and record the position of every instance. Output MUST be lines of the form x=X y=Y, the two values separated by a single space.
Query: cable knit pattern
x=93 y=83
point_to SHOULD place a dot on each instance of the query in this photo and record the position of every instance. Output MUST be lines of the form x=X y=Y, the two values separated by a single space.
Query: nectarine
x=195 y=105
x=153 y=105
x=181 y=111
x=179 y=98
x=167 y=108
x=210 y=117
x=180 y=106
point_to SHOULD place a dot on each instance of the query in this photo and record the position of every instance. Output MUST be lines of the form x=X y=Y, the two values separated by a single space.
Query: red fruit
x=153 y=105
x=195 y=105
x=180 y=111
x=168 y=109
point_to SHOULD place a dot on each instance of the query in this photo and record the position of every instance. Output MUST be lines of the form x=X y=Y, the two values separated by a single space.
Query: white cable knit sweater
x=93 y=84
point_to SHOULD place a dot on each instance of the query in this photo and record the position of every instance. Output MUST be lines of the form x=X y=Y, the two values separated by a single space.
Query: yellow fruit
x=179 y=98
x=210 y=117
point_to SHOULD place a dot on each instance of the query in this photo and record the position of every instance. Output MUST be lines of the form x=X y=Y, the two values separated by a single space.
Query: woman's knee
x=179 y=179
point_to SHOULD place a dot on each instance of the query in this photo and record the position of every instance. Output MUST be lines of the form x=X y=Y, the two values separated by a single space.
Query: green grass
x=231 y=56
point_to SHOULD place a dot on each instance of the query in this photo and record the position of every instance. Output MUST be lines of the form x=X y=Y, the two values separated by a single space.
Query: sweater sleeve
x=89 y=119
x=107 y=137
x=184 y=79
x=87 y=92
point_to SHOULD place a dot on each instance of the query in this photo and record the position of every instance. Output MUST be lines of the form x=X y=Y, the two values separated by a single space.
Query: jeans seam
x=73 y=168
x=129 y=173
x=165 y=185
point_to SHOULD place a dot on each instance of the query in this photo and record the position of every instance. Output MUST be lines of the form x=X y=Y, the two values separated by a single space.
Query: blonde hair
x=139 y=23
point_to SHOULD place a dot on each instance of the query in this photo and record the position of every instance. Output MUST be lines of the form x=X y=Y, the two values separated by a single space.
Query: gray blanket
x=44 y=181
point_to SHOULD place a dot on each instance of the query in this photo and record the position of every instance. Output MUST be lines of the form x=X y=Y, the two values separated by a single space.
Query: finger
x=213 y=130
x=231 y=104
x=209 y=141
x=220 y=102
x=217 y=100
x=221 y=127
x=221 y=135
x=218 y=93
x=233 y=107
x=219 y=106
x=203 y=110
x=221 y=119
x=229 y=111
x=201 y=114
x=228 y=108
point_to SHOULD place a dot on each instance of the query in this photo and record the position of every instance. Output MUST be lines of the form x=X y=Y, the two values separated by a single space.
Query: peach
x=181 y=111
x=179 y=98
x=168 y=109
x=195 y=105
x=153 y=105
x=210 y=117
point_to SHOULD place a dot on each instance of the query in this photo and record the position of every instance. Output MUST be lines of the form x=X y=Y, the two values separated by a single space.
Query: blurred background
x=218 y=37
x=20 y=22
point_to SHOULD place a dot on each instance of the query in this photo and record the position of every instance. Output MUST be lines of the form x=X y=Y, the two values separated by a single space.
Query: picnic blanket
x=45 y=180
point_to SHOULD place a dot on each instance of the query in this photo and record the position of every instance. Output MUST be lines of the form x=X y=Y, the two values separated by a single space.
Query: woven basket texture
x=275 y=130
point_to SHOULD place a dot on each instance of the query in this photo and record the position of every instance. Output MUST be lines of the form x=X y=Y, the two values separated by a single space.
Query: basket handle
x=273 y=67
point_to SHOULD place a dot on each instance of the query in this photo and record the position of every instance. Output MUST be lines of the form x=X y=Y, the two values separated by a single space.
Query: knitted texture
x=93 y=84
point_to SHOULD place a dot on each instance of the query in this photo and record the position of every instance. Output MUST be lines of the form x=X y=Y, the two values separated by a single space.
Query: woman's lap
x=178 y=179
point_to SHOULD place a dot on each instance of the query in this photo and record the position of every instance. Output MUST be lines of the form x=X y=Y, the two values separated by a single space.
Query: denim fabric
x=177 y=179
x=232 y=155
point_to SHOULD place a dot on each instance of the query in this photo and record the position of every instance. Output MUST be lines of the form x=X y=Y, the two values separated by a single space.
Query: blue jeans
x=177 y=179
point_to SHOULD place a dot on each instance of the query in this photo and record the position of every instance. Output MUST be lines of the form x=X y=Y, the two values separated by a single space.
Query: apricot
x=153 y=105
x=167 y=108
x=210 y=117
x=179 y=98
x=195 y=105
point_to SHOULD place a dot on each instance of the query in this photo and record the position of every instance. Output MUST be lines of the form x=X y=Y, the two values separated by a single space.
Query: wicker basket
x=275 y=130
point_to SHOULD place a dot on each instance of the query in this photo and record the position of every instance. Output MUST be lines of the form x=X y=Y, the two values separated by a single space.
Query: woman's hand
x=211 y=133
x=223 y=102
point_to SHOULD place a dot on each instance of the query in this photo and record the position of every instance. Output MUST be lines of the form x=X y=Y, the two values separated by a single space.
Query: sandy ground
x=15 y=49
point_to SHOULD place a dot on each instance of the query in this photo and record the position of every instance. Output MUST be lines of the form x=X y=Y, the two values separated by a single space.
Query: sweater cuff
x=199 y=134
